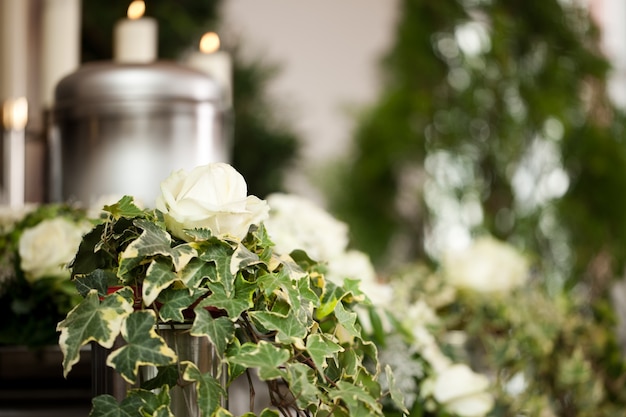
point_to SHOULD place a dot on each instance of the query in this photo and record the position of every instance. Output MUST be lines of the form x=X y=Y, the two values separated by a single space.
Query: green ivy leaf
x=175 y=300
x=125 y=207
x=208 y=388
x=219 y=299
x=242 y=258
x=347 y=319
x=196 y=271
x=166 y=375
x=144 y=346
x=220 y=254
x=93 y=320
x=302 y=384
x=220 y=331
x=158 y=277
x=153 y=241
x=152 y=404
x=107 y=406
x=99 y=280
x=269 y=413
x=397 y=396
x=319 y=348
x=289 y=328
x=355 y=397
x=264 y=356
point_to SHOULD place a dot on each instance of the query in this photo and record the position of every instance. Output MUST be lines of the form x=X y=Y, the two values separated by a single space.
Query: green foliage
x=484 y=102
x=30 y=310
x=547 y=354
x=258 y=309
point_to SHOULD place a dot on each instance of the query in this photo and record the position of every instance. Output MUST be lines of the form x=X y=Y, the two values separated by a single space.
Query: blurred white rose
x=213 y=197
x=9 y=216
x=488 y=265
x=462 y=391
x=297 y=223
x=48 y=247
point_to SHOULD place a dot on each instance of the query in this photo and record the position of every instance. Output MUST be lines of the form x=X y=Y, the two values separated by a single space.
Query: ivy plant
x=262 y=312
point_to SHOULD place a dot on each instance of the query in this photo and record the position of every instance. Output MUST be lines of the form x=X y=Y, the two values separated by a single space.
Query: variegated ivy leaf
x=153 y=241
x=289 y=329
x=153 y=404
x=242 y=258
x=291 y=267
x=208 y=388
x=158 y=277
x=99 y=280
x=280 y=282
x=144 y=346
x=264 y=356
x=358 y=400
x=107 y=406
x=220 y=331
x=175 y=300
x=302 y=384
x=347 y=319
x=196 y=271
x=234 y=303
x=397 y=396
x=92 y=319
x=319 y=348
x=220 y=254
x=125 y=207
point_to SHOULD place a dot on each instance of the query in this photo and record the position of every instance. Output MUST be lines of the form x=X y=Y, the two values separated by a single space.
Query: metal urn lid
x=120 y=129
x=104 y=84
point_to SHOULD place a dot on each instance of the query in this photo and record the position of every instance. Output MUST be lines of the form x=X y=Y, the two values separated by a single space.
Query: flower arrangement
x=545 y=354
x=36 y=245
x=205 y=258
x=431 y=382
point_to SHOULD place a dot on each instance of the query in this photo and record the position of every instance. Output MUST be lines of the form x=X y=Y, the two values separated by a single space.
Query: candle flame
x=15 y=113
x=136 y=9
x=209 y=43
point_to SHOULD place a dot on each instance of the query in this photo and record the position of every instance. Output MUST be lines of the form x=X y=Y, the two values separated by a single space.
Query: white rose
x=47 y=248
x=488 y=265
x=213 y=197
x=462 y=391
x=297 y=223
x=9 y=216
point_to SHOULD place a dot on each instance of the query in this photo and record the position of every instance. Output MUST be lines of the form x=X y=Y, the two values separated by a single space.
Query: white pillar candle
x=135 y=38
x=15 y=117
x=215 y=63
x=60 y=44
x=13 y=52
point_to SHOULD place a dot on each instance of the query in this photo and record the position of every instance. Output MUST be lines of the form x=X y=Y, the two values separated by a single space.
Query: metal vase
x=184 y=400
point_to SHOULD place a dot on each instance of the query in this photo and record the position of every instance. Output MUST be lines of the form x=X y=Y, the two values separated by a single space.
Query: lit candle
x=215 y=63
x=60 y=44
x=135 y=38
x=14 y=119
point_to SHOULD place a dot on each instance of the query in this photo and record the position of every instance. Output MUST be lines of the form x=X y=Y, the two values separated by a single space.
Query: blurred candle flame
x=209 y=43
x=136 y=9
x=15 y=113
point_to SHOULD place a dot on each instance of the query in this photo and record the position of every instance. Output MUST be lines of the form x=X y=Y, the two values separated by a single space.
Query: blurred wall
x=328 y=52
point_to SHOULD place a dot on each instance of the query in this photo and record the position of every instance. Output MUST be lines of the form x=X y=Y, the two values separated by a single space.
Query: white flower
x=213 y=197
x=297 y=223
x=9 y=216
x=48 y=247
x=462 y=391
x=488 y=265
